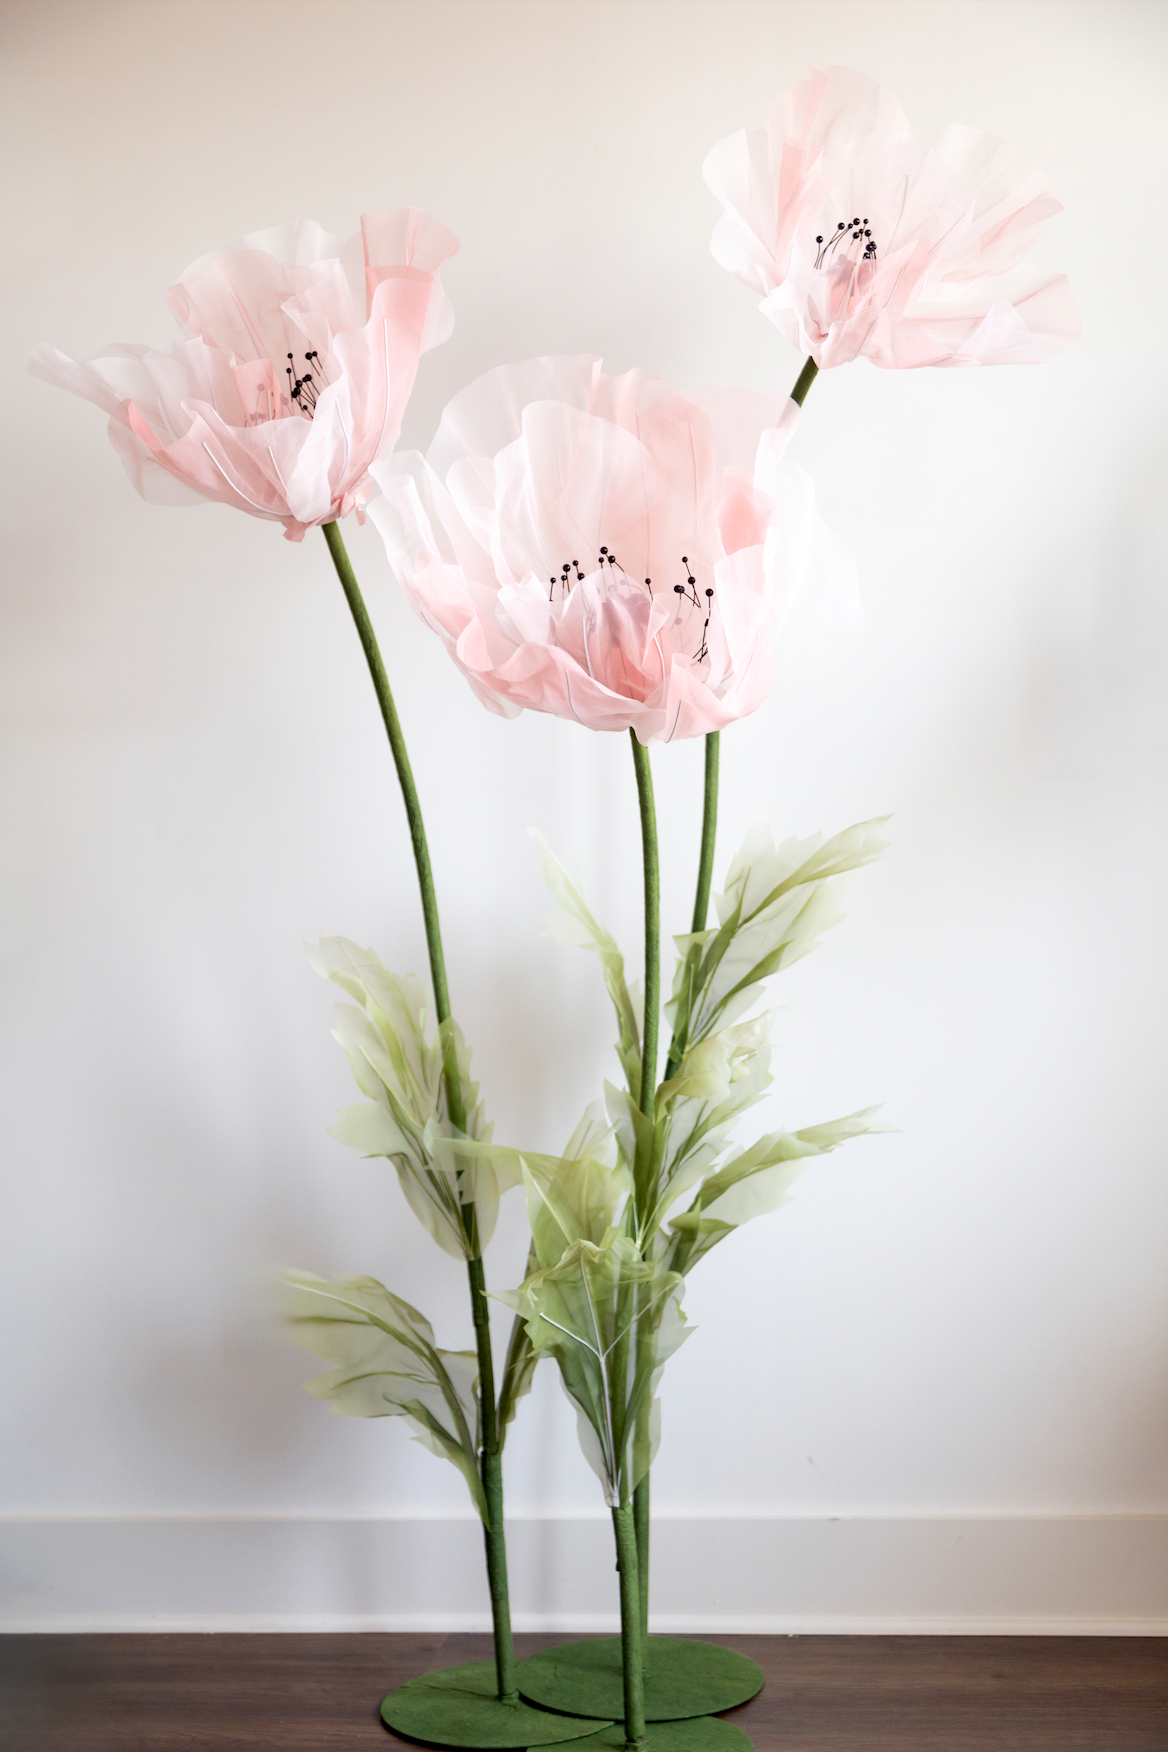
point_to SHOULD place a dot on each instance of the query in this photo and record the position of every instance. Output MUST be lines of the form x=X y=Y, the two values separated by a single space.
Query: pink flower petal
x=605 y=548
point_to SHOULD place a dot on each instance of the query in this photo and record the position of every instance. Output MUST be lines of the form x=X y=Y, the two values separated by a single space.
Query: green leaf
x=602 y=1312
x=519 y=1367
x=717 y=1081
x=776 y=905
x=389 y=1365
x=576 y=1196
x=451 y=1182
x=574 y=923
x=756 y=1181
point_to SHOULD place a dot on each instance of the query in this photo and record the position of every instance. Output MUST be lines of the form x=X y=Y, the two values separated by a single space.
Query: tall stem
x=640 y=1509
x=491 y=1458
x=641 y=1530
x=409 y=791
x=709 y=831
x=705 y=861
x=804 y=380
x=652 y=926
x=641 y=1495
x=492 y=1468
x=634 y=1678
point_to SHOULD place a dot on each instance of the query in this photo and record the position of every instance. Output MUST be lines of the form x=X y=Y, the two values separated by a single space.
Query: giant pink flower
x=866 y=239
x=278 y=396
x=608 y=549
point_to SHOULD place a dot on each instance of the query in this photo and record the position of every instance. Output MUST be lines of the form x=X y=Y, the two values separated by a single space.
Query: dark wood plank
x=823 y=1694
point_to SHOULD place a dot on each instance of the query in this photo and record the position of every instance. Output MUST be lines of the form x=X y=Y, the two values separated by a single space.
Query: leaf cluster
x=608 y=1257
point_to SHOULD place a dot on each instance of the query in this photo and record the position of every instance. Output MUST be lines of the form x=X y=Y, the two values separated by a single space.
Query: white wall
x=960 y=1324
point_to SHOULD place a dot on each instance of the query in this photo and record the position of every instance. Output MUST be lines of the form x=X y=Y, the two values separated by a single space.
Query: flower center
x=570 y=574
x=847 y=233
x=303 y=391
x=688 y=591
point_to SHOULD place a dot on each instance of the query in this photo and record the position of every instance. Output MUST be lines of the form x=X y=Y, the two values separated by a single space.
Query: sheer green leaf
x=600 y=1311
x=637 y=1141
x=452 y=1188
x=388 y=1365
x=519 y=1367
x=775 y=908
x=574 y=923
x=574 y=1197
x=754 y=1182
x=717 y=1081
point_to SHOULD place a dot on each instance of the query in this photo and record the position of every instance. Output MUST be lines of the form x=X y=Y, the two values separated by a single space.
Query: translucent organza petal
x=611 y=551
x=284 y=386
x=860 y=237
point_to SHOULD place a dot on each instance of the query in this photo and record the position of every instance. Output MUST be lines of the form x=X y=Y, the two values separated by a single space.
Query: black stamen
x=852 y=230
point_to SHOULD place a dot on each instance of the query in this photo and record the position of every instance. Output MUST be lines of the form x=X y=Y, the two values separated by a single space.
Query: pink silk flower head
x=610 y=550
x=867 y=240
x=278 y=396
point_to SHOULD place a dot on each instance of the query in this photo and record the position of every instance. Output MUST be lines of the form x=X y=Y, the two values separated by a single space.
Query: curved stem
x=705 y=863
x=652 y=926
x=641 y=1516
x=638 y=1517
x=409 y=791
x=804 y=380
x=709 y=830
x=491 y=1457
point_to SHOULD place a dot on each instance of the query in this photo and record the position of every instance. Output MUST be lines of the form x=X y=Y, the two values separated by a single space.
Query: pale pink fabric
x=867 y=240
x=610 y=550
x=278 y=396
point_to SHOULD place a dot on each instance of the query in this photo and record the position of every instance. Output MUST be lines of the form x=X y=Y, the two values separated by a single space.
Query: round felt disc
x=699 y=1734
x=683 y=1677
x=458 y=1706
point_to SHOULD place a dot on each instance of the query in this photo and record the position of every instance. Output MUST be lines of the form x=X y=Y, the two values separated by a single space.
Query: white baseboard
x=1066 y=1575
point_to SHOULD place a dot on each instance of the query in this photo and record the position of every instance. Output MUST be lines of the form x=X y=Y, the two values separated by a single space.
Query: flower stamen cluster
x=852 y=233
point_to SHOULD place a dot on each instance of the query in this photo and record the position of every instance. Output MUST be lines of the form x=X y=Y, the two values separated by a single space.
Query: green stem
x=641 y=1528
x=709 y=830
x=409 y=791
x=641 y=1494
x=804 y=380
x=491 y=1458
x=492 y=1468
x=631 y=1654
x=640 y=1509
x=705 y=862
x=652 y=927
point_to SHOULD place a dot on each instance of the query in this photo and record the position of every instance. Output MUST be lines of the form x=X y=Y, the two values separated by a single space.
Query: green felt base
x=683 y=1677
x=458 y=1706
x=699 y=1734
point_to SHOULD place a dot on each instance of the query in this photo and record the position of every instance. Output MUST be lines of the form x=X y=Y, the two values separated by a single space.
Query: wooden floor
x=823 y=1693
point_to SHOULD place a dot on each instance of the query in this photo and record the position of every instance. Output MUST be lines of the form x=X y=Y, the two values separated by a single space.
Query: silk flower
x=612 y=551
